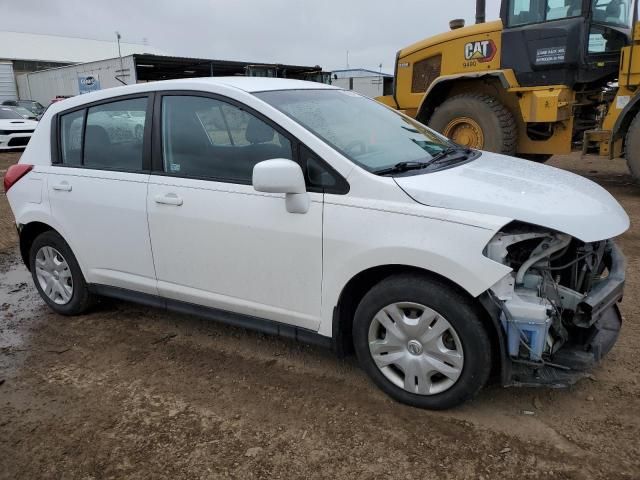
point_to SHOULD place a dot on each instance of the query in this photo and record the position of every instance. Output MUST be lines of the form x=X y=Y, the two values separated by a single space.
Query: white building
x=29 y=52
x=366 y=82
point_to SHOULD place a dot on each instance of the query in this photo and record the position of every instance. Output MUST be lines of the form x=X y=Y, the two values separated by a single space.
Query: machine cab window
x=527 y=12
x=612 y=12
x=611 y=19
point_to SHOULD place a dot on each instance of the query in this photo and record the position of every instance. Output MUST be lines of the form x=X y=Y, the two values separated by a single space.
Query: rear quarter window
x=71 y=126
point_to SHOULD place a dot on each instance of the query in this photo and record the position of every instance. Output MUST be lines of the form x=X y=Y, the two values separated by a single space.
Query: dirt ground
x=134 y=392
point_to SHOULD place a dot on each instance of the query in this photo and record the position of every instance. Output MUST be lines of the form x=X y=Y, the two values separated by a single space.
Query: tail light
x=15 y=173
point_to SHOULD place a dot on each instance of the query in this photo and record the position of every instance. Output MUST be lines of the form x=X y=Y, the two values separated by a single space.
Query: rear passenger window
x=204 y=137
x=71 y=126
x=114 y=135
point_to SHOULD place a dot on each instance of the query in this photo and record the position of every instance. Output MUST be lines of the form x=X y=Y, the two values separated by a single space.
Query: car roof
x=246 y=84
x=259 y=84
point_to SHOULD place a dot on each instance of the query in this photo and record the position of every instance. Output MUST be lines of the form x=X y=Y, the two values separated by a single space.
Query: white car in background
x=15 y=131
x=312 y=212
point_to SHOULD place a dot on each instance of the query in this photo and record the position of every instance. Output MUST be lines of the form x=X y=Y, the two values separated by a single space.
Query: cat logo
x=481 y=51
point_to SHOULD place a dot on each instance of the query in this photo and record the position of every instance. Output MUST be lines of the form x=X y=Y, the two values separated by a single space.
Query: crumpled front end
x=558 y=306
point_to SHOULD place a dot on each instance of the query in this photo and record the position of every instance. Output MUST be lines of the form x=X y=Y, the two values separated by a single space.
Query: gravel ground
x=134 y=392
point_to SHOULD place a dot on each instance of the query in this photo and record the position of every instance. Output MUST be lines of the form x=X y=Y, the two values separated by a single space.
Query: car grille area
x=18 y=141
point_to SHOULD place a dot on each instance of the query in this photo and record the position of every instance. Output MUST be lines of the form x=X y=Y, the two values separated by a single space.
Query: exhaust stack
x=481 y=8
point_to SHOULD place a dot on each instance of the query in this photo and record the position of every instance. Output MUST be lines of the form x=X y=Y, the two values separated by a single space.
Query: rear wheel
x=422 y=342
x=477 y=121
x=632 y=148
x=57 y=275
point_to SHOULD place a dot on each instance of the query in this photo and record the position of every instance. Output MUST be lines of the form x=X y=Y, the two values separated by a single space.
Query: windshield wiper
x=448 y=154
x=401 y=167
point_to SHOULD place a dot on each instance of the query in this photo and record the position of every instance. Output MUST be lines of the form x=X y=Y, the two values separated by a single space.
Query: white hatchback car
x=312 y=212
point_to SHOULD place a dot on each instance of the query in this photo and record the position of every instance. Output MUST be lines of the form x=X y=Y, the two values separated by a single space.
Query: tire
x=49 y=253
x=632 y=148
x=469 y=349
x=498 y=129
x=535 y=157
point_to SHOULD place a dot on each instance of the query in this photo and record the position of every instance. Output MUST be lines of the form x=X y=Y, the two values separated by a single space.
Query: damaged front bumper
x=573 y=361
x=596 y=325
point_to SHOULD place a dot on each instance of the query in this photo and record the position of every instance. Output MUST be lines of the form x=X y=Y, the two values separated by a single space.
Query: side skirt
x=249 y=322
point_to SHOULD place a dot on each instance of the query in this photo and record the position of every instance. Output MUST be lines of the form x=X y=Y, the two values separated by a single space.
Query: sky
x=271 y=31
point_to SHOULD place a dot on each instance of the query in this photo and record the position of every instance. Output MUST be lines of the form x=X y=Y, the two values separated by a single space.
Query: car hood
x=16 y=124
x=525 y=191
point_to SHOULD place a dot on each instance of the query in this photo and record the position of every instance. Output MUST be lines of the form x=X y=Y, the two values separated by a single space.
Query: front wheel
x=422 y=342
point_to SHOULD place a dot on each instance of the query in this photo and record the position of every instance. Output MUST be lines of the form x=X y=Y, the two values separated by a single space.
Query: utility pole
x=121 y=73
x=118 y=40
x=347 y=58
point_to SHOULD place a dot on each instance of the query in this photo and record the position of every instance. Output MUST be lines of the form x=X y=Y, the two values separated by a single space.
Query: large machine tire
x=477 y=121
x=632 y=148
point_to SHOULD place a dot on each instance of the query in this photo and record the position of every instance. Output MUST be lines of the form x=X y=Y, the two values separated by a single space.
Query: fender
x=27 y=216
x=426 y=107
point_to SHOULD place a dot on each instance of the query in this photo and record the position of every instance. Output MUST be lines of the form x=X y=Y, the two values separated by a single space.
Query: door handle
x=169 y=199
x=62 y=187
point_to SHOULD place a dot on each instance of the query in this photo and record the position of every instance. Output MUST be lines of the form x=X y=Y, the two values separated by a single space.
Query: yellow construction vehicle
x=548 y=77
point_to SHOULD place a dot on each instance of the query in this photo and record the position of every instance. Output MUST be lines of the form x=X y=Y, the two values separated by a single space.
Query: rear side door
x=98 y=188
x=216 y=241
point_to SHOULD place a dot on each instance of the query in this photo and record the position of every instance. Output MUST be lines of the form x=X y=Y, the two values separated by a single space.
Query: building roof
x=53 y=48
x=358 y=72
x=158 y=67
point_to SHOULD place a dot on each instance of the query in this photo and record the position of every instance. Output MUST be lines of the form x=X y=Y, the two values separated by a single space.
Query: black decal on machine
x=550 y=55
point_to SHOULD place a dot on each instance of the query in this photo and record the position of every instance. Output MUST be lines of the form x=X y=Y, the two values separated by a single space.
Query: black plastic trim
x=606 y=293
x=257 y=324
x=341 y=187
x=505 y=365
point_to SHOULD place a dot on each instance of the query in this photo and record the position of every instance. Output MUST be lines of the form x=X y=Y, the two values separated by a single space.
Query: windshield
x=34 y=107
x=9 y=114
x=363 y=130
x=23 y=111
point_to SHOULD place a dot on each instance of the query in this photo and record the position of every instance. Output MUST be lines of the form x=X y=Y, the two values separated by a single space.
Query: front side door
x=216 y=241
x=98 y=191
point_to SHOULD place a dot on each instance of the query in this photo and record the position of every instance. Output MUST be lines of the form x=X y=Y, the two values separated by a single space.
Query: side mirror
x=283 y=176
